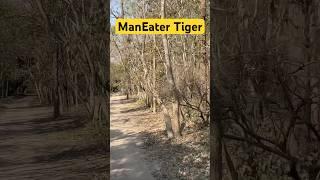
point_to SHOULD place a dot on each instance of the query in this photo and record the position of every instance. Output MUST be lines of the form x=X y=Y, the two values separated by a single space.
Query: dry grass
x=184 y=158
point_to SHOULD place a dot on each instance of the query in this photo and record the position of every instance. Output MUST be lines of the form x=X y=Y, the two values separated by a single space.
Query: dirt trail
x=34 y=146
x=128 y=161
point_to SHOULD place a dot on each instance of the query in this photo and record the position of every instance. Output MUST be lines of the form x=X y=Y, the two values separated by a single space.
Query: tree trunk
x=38 y=92
x=56 y=99
x=61 y=100
x=204 y=49
x=128 y=87
x=92 y=104
x=175 y=122
x=56 y=104
x=76 y=91
x=2 y=88
x=154 y=73
x=7 y=88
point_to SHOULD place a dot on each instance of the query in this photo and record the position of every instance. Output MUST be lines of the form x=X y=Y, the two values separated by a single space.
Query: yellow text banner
x=160 y=26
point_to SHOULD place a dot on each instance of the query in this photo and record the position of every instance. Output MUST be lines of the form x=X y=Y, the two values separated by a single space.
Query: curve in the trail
x=128 y=161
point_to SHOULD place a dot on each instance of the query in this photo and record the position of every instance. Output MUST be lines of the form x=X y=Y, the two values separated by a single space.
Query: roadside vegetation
x=169 y=76
x=55 y=55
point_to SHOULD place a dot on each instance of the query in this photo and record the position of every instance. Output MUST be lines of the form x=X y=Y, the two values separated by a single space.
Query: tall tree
x=175 y=121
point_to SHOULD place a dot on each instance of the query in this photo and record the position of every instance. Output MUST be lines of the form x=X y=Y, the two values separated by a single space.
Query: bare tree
x=175 y=121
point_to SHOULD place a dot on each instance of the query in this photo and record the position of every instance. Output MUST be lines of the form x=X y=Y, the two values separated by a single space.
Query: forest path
x=127 y=157
x=34 y=146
